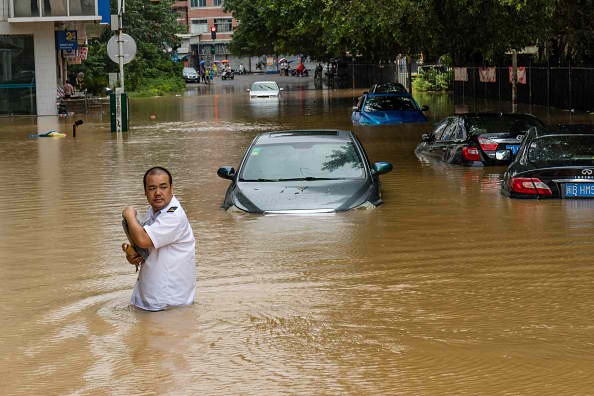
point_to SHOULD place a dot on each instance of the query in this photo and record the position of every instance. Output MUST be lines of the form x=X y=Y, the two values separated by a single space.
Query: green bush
x=159 y=86
x=433 y=80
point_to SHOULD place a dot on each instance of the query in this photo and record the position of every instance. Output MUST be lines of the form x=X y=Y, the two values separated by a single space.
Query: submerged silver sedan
x=300 y=172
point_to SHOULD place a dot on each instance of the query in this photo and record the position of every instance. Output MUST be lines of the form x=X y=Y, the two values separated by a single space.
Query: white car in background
x=190 y=74
x=264 y=89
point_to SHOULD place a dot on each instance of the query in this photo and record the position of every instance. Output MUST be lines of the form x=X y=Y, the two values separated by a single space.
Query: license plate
x=579 y=190
x=513 y=148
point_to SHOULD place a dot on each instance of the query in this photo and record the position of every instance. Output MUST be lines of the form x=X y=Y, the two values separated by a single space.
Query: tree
x=153 y=26
x=467 y=30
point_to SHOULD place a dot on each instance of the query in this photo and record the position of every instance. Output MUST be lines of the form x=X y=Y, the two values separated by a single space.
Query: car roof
x=488 y=114
x=305 y=135
x=566 y=129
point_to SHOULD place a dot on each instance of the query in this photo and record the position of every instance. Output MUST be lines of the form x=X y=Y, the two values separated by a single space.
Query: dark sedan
x=477 y=139
x=553 y=163
x=302 y=172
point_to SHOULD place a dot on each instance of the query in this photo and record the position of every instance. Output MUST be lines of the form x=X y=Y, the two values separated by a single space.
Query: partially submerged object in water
x=50 y=133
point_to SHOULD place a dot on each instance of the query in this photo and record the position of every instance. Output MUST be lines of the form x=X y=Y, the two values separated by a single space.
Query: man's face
x=158 y=191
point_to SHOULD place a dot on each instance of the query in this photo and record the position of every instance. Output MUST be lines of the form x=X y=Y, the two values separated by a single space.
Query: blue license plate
x=513 y=148
x=579 y=190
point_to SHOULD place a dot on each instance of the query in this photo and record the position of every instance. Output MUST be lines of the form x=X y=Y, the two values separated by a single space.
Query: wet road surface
x=448 y=288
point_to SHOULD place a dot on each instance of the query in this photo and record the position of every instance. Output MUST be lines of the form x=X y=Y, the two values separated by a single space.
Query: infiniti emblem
x=586 y=171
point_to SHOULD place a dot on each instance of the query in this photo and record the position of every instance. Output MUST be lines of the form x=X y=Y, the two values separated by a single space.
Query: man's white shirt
x=168 y=276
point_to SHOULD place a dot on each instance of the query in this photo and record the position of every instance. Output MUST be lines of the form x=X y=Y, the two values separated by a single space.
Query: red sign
x=521 y=75
x=488 y=74
x=460 y=74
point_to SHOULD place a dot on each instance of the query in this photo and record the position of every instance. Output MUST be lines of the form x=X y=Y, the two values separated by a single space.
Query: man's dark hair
x=155 y=170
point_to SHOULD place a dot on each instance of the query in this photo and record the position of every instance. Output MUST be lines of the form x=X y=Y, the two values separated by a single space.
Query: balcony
x=53 y=10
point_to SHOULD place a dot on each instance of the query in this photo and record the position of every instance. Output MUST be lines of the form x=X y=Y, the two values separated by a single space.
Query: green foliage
x=467 y=31
x=160 y=87
x=433 y=80
x=152 y=25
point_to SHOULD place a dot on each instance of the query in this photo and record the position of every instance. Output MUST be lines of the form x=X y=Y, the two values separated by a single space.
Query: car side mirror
x=425 y=108
x=226 y=172
x=425 y=137
x=382 y=167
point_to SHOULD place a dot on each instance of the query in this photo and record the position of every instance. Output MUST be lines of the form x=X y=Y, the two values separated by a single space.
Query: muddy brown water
x=448 y=288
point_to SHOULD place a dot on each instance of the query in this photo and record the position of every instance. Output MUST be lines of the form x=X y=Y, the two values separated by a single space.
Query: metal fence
x=563 y=87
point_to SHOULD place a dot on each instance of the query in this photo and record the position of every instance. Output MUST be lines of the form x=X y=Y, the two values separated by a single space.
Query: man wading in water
x=167 y=277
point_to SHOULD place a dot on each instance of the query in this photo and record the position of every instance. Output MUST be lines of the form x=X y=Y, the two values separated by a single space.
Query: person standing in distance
x=167 y=277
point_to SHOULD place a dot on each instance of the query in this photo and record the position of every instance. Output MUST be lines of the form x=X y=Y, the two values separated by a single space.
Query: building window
x=217 y=3
x=198 y=3
x=223 y=25
x=17 y=75
x=199 y=26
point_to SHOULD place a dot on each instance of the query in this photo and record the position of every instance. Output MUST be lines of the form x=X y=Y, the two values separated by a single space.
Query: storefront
x=17 y=75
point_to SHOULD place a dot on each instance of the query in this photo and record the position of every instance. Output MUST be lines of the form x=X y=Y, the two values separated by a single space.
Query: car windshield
x=479 y=125
x=290 y=161
x=387 y=103
x=562 y=149
x=264 y=86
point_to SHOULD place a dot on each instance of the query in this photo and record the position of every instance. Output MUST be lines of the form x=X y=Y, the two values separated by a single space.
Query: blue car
x=387 y=109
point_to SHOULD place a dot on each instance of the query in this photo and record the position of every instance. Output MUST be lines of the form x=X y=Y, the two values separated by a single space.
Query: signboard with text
x=66 y=40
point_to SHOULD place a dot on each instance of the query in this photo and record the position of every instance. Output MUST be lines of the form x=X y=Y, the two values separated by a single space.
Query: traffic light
x=213 y=32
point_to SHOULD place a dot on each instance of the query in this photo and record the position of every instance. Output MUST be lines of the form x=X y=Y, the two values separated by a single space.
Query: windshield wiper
x=258 y=180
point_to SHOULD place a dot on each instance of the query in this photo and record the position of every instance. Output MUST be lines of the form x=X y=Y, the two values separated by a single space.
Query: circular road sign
x=128 y=48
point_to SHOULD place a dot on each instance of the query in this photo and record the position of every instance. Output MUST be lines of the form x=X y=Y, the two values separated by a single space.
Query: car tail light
x=530 y=185
x=471 y=153
x=487 y=144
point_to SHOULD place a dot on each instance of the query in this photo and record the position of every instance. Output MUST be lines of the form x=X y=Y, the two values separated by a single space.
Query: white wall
x=45 y=60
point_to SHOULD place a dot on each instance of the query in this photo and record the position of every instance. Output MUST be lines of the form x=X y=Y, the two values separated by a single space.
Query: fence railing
x=563 y=87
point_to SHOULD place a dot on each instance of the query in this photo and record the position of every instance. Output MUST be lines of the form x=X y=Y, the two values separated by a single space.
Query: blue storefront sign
x=66 y=40
x=104 y=11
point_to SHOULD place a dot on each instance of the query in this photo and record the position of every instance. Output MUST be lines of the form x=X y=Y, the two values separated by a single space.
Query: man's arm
x=137 y=232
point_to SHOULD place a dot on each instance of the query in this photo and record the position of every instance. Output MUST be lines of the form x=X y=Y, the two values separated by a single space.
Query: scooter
x=227 y=75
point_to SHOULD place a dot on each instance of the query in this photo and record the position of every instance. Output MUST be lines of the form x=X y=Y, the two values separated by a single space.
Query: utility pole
x=514 y=80
x=121 y=10
x=121 y=49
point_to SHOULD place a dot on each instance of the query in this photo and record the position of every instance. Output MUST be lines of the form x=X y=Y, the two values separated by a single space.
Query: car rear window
x=387 y=103
x=562 y=149
x=389 y=88
x=333 y=160
x=479 y=125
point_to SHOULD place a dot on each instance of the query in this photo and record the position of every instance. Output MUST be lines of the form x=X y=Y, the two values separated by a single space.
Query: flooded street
x=447 y=288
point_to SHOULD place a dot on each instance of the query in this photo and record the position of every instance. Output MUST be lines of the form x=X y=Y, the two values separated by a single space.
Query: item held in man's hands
x=144 y=253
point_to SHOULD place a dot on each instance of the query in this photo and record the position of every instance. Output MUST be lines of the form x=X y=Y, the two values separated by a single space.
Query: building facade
x=203 y=15
x=38 y=39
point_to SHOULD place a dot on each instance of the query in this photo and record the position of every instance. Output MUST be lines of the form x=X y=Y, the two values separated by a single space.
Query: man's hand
x=131 y=255
x=128 y=213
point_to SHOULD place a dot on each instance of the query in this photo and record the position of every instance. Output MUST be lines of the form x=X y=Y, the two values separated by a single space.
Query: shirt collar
x=152 y=213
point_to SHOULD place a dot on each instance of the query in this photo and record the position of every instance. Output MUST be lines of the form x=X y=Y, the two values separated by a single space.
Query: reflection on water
x=447 y=288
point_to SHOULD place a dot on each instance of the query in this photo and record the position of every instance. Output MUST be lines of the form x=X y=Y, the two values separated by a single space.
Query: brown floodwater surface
x=447 y=288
